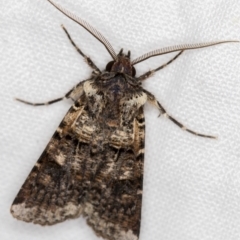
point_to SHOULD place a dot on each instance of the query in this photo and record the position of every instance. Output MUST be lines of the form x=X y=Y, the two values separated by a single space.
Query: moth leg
x=90 y=63
x=162 y=110
x=73 y=94
x=151 y=72
x=41 y=104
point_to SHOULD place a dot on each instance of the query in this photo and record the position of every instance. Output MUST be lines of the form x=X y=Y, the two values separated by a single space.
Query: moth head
x=122 y=64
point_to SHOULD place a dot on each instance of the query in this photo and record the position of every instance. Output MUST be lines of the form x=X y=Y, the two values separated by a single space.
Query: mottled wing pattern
x=114 y=202
x=84 y=170
x=54 y=189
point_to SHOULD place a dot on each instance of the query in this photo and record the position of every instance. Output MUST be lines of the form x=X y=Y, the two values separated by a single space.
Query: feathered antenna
x=89 y=28
x=176 y=48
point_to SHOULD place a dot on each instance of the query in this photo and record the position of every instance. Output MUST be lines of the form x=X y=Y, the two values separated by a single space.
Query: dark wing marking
x=54 y=190
x=84 y=170
x=113 y=204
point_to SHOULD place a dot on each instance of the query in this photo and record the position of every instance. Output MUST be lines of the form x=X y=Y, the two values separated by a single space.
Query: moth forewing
x=93 y=164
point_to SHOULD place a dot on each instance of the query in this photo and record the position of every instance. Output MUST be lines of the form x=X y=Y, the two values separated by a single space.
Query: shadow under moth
x=93 y=164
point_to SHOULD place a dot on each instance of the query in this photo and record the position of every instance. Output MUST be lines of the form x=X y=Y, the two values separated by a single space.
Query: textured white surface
x=192 y=184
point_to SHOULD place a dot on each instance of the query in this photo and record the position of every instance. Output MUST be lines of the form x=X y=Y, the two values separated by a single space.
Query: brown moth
x=93 y=164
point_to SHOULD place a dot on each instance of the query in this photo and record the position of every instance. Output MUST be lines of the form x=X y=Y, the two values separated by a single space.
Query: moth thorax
x=121 y=65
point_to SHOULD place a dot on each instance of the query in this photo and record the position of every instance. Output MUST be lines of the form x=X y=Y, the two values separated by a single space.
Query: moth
x=93 y=164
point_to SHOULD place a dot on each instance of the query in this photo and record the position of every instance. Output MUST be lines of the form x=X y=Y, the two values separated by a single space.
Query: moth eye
x=133 y=71
x=109 y=66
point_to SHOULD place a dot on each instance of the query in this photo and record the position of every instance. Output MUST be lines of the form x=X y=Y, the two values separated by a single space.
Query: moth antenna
x=88 y=27
x=176 y=48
